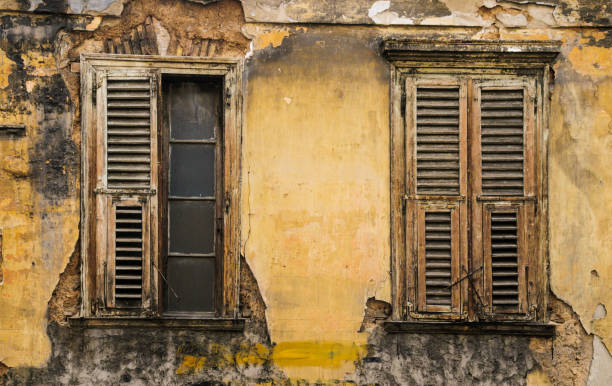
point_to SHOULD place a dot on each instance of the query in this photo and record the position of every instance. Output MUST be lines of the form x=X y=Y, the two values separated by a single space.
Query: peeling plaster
x=600 y=312
x=601 y=367
x=381 y=15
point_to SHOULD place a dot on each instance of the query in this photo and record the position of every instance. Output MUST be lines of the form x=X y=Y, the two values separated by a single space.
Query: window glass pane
x=193 y=280
x=192 y=226
x=192 y=170
x=194 y=110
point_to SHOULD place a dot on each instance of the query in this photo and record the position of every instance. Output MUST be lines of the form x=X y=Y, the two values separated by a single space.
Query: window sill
x=210 y=324
x=471 y=328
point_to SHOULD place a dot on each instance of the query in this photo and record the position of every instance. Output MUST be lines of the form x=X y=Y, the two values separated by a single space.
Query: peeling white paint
x=456 y=19
x=378 y=7
x=380 y=14
x=162 y=36
x=601 y=366
x=251 y=49
x=34 y=4
x=508 y=20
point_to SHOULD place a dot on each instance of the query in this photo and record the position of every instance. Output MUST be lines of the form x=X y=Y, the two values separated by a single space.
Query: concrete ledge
x=471 y=328
x=165 y=323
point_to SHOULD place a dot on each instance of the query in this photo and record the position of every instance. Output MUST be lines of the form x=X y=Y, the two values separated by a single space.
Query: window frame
x=93 y=283
x=473 y=61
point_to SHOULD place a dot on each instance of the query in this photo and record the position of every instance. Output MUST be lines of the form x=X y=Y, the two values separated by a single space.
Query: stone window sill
x=208 y=324
x=470 y=328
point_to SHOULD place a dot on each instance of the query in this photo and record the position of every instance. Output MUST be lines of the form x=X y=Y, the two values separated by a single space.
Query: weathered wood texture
x=120 y=170
x=488 y=167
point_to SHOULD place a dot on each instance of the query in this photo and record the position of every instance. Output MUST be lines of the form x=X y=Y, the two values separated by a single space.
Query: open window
x=160 y=187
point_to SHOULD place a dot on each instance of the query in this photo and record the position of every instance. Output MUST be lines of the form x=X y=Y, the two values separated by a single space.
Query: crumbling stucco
x=566 y=359
x=432 y=12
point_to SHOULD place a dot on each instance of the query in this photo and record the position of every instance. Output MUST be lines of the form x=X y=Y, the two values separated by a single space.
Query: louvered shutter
x=128 y=134
x=504 y=206
x=126 y=187
x=436 y=115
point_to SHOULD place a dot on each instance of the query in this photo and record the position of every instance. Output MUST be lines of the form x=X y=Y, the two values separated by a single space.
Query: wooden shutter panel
x=504 y=257
x=437 y=140
x=503 y=184
x=128 y=119
x=126 y=188
x=436 y=116
x=128 y=264
x=438 y=252
x=502 y=132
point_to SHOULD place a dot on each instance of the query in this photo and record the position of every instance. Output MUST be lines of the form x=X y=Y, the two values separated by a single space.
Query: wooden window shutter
x=436 y=117
x=504 y=191
x=126 y=187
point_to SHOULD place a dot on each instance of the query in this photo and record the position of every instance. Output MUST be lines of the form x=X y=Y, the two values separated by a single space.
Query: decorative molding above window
x=476 y=53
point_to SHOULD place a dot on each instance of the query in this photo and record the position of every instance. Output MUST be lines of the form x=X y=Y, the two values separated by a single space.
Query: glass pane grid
x=191 y=264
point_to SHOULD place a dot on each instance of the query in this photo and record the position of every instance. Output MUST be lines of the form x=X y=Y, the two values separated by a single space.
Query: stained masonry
x=315 y=280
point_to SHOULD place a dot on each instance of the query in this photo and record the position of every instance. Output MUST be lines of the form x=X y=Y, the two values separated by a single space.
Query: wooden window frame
x=472 y=62
x=94 y=68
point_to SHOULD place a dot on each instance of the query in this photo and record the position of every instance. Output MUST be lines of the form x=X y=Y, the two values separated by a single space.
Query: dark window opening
x=193 y=203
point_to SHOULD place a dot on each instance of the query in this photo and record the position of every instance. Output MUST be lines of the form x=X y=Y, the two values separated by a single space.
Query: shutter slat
x=437 y=140
x=132 y=95
x=504 y=255
x=128 y=111
x=129 y=104
x=502 y=143
x=438 y=258
x=128 y=255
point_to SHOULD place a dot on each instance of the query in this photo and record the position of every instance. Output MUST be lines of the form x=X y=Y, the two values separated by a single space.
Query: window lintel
x=475 y=53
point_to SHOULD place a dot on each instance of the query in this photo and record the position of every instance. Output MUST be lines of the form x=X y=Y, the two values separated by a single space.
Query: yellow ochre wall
x=316 y=194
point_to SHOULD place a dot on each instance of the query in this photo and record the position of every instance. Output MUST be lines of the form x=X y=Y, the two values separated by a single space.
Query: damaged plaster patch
x=512 y=20
x=380 y=14
x=600 y=312
x=111 y=7
x=601 y=366
x=375 y=310
x=162 y=37
x=378 y=7
x=66 y=297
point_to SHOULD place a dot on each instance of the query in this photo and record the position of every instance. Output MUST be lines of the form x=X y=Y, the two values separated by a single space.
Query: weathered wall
x=315 y=193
